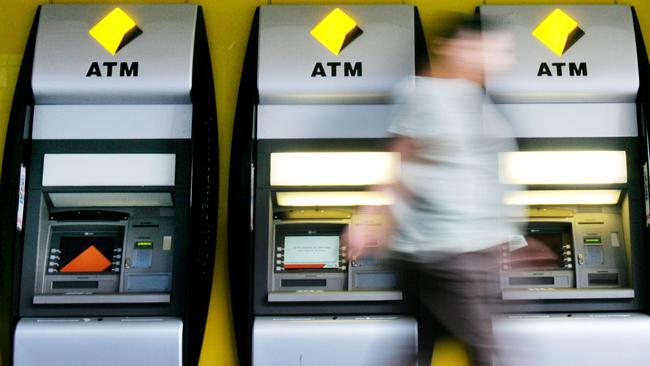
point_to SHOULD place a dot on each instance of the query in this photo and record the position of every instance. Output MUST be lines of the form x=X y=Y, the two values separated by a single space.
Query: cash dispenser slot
x=75 y=284
x=303 y=283
x=531 y=281
x=603 y=279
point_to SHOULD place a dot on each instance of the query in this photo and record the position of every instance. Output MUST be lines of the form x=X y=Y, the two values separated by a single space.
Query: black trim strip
x=304 y=283
x=89 y=215
x=16 y=153
x=240 y=197
x=74 y=284
x=204 y=195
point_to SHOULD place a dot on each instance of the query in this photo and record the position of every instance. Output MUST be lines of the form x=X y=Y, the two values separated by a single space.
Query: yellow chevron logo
x=115 y=31
x=336 y=31
x=558 y=32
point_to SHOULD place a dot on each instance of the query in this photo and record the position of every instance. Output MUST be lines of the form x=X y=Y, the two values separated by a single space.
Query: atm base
x=598 y=339
x=567 y=293
x=343 y=341
x=98 y=341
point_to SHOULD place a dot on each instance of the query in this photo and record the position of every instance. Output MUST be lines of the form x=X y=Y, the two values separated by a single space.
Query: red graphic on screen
x=303 y=266
x=90 y=260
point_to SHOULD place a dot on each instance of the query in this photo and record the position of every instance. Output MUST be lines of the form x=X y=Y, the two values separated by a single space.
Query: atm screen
x=542 y=252
x=87 y=254
x=544 y=247
x=304 y=252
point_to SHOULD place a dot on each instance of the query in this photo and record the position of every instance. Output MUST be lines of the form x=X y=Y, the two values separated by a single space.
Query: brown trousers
x=458 y=293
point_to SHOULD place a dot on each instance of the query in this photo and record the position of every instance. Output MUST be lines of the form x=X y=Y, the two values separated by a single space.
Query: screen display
x=302 y=252
x=543 y=250
x=593 y=240
x=86 y=254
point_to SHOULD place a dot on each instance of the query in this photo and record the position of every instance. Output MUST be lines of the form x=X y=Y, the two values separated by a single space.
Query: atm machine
x=309 y=140
x=578 y=270
x=109 y=188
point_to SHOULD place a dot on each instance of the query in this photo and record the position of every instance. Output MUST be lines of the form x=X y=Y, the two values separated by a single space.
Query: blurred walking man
x=448 y=218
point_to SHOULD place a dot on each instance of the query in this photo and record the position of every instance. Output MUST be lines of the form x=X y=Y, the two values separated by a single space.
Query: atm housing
x=598 y=248
x=118 y=187
x=282 y=110
x=595 y=285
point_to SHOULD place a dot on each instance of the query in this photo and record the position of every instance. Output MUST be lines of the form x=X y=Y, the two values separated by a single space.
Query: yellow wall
x=228 y=24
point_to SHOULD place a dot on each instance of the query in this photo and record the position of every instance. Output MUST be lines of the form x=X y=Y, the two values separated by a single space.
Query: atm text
x=111 y=69
x=349 y=69
x=575 y=69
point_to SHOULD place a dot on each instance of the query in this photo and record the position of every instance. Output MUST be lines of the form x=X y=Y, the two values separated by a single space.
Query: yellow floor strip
x=450 y=352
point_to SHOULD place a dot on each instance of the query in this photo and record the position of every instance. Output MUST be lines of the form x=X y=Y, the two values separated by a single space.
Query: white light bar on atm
x=97 y=170
x=564 y=197
x=332 y=199
x=111 y=199
x=333 y=168
x=562 y=167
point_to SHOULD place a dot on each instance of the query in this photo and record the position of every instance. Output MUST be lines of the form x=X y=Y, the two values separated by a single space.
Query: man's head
x=468 y=48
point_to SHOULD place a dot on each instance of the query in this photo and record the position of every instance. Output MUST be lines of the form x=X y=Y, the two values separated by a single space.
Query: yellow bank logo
x=336 y=31
x=558 y=32
x=115 y=31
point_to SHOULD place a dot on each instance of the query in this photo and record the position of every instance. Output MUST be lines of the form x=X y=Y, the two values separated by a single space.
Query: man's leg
x=459 y=292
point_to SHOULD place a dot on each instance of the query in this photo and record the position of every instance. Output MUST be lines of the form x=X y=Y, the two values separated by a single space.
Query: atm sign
x=334 y=68
x=558 y=32
x=562 y=68
x=335 y=32
x=113 y=32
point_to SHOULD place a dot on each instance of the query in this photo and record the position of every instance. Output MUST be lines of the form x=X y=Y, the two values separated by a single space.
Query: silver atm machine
x=309 y=140
x=109 y=189
x=576 y=277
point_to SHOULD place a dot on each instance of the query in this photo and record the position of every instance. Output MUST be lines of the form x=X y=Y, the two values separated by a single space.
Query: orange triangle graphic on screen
x=90 y=260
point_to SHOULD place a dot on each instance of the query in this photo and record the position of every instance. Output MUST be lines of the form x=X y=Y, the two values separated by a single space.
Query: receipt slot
x=310 y=139
x=109 y=188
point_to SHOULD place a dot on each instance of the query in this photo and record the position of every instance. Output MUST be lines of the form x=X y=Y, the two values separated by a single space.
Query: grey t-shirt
x=454 y=204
